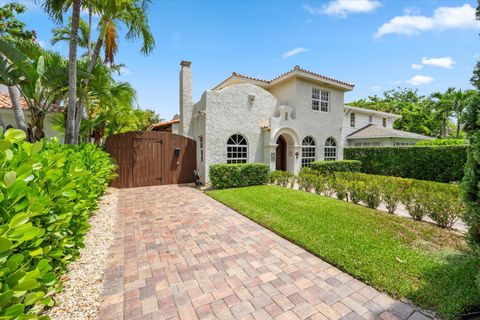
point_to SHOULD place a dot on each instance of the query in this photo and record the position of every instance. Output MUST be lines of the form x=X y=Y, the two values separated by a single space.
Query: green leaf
x=18 y=220
x=15 y=310
x=36 y=252
x=5 y=244
x=26 y=285
x=33 y=297
x=8 y=154
x=5 y=297
x=15 y=135
x=9 y=178
x=69 y=193
x=4 y=145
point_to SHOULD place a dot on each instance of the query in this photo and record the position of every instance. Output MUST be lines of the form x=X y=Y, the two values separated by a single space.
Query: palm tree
x=56 y=8
x=17 y=108
x=62 y=34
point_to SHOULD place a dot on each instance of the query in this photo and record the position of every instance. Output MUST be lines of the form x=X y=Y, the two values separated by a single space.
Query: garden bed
x=83 y=283
x=421 y=262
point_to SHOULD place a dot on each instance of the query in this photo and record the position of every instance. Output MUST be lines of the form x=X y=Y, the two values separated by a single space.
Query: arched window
x=237 y=149
x=308 y=151
x=330 y=149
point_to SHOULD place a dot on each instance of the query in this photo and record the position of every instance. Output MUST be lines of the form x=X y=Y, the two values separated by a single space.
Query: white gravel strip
x=83 y=284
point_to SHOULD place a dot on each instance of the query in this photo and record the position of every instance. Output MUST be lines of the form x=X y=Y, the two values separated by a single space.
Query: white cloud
x=462 y=17
x=342 y=8
x=124 y=71
x=444 y=62
x=376 y=88
x=411 y=11
x=415 y=66
x=293 y=52
x=418 y=80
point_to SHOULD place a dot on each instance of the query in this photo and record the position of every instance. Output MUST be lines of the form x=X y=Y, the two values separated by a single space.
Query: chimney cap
x=185 y=63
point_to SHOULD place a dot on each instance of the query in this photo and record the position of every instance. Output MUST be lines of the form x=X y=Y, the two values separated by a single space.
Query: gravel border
x=83 y=283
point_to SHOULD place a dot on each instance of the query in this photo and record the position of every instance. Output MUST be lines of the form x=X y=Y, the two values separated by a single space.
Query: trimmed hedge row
x=442 y=142
x=238 y=175
x=47 y=193
x=441 y=202
x=435 y=163
x=325 y=167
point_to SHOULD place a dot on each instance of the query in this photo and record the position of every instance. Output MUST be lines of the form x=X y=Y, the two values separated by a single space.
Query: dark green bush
x=327 y=167
x=238 y=175
x=47 y=193
x=435 y=163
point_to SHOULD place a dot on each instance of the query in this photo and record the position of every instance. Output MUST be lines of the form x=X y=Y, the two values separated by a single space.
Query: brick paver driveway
x=179 y=254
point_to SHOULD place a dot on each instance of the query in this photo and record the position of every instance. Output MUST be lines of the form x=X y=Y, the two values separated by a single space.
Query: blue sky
x=375 y=44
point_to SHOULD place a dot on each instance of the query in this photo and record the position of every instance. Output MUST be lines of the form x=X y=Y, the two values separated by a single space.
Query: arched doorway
x=281 y=154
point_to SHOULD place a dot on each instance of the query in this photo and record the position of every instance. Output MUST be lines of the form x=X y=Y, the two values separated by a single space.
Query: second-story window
x=384 y=122
x=352 y=120
x=370 y=119
x=200 y=139
x=320 y=100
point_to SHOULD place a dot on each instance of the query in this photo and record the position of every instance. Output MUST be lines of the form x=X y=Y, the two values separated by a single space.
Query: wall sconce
x=251 y=98
x=297 y=154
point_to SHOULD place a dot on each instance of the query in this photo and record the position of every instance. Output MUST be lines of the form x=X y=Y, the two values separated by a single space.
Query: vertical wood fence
x=149 y=158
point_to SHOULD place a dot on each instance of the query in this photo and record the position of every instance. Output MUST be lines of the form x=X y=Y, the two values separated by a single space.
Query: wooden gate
x=149 y=158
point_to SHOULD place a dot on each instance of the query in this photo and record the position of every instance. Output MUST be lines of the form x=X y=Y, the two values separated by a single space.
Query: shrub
x=435 y=163
x=442 y=142
x=391 y=195
x=282 y=178
x=371 y=193
x=306 y=181
x=416 y=201
x=355 y=190
x=47 y=193
x=320 y=184
x=340 y=187
x=327 y=167
x=238 y=175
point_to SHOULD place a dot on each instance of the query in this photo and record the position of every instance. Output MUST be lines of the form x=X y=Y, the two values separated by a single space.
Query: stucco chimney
x=186 y=100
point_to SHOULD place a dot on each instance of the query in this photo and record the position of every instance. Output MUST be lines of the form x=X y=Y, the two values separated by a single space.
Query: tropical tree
x=11 y=29
x=41 y=76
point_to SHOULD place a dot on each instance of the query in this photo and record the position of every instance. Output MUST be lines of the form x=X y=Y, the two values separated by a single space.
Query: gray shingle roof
x=373 y=131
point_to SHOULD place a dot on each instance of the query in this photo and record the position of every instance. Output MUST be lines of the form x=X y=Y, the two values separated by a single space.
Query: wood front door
x=281 y=154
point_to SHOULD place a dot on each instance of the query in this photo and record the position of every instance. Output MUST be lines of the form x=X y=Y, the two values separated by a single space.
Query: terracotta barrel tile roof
x=6 y=103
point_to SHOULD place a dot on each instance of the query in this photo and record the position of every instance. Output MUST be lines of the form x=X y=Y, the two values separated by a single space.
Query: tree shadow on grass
x=450 y=288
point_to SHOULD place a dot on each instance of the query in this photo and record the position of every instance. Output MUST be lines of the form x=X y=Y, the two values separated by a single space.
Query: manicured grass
x=405 y=258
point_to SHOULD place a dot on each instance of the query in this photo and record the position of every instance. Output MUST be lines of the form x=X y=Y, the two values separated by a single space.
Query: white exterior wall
x=9 y=119
x=228 y=112
x=361 y=120
x=320 y=125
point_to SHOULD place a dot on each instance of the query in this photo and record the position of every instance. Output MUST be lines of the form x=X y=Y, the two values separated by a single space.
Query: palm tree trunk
x=2 y=123
x=91 y=64
x=72 y=73
x=17 y=108
x=89 y=44
x=458 y=127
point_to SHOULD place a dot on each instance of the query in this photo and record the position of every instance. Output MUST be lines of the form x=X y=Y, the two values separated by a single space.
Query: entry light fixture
x=297 y=154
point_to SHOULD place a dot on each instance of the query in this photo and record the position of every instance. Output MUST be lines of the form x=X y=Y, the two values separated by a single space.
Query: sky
x=378 y=45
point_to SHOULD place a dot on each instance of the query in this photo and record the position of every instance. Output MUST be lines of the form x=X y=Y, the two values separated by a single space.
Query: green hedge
x=441 y=202
x=238 y=175
x=47 y=193
x=325 y=167
x=442 y=142
x=435 y=163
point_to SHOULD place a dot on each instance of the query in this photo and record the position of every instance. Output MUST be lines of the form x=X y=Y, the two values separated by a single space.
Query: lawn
x=405 y=258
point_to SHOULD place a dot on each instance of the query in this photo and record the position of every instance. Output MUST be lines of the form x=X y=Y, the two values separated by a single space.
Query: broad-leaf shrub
x=238 y=175
x=283 y=178
x=326 y=167
x=47 y=193
x=434 y=163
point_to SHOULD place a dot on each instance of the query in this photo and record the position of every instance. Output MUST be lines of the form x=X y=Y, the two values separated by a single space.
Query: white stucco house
x=286 y=122
x=372 y=128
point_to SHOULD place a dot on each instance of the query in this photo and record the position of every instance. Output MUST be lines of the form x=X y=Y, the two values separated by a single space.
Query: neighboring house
x=6 y=112
x=372 y=128
x=287 y=122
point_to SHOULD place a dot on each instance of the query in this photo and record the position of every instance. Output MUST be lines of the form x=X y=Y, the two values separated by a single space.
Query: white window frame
x=308 y=151
x=320 y=100
x=352 y=120
x=330 y=149
x=237 y=149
